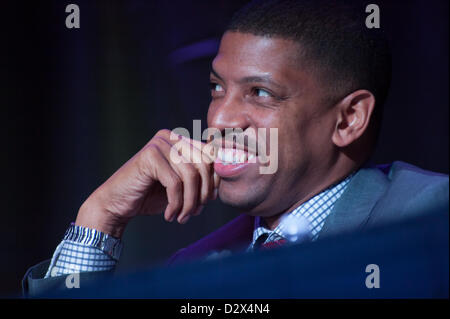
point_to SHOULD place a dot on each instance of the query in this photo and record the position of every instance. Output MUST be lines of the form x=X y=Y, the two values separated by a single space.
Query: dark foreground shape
x=412 y=257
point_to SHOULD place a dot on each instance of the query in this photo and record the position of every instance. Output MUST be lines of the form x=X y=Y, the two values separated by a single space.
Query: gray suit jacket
x=375 y=196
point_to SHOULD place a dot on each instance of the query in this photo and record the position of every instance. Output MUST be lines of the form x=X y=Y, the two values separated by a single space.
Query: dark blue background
x=79 y=103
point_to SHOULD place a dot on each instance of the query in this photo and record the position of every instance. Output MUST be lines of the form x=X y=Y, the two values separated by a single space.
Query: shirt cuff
x=82 y=250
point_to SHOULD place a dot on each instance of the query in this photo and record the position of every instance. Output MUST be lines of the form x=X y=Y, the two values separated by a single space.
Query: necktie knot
x=263 y=243
x=273 y=244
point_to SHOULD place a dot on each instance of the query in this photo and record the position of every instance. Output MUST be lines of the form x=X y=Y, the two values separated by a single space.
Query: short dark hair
x=334 y=41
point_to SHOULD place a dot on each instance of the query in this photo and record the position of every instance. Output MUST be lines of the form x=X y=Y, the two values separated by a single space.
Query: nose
x=229 y=112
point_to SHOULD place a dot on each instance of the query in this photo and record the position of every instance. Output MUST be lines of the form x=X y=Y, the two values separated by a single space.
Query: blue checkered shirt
x=79 y=256
x=314 y=212
x=78 y=253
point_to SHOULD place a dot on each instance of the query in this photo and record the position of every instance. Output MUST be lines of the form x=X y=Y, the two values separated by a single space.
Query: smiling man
x=315 y=73
x=259 y=82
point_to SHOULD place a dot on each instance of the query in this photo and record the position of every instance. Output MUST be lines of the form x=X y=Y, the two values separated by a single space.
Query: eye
x=262 y=93
x=216 y=87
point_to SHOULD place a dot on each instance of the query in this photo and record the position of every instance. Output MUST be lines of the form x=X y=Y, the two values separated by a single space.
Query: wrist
x=95 y=239
x=92 y=215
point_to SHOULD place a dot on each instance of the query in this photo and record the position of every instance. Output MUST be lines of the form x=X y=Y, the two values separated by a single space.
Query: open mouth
x=231 y=161
x=230 y=156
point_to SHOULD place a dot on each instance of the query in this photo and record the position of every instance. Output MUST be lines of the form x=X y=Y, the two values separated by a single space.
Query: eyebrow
x=251 y=79
x=216 y=74
x=259 y=79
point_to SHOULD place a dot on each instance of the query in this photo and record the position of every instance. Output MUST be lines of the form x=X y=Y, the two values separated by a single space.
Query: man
x=313 y=71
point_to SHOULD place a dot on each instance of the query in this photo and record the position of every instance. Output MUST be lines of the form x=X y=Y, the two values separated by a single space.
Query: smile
x=231 y=162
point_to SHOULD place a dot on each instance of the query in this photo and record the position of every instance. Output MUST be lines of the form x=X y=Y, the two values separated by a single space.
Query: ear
x=354 y=112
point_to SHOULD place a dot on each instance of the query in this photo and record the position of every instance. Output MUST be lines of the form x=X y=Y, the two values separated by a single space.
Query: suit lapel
x=353 y=209
x=350 y=213
x=236 y=235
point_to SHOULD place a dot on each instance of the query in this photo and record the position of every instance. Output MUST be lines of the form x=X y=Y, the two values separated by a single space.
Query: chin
x=245 y=198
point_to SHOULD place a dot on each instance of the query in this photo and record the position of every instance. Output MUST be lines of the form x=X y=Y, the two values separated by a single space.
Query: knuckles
x=147 y=158
x=175 y=183
x=191 y=172
x=164 y=133
x=151 y=161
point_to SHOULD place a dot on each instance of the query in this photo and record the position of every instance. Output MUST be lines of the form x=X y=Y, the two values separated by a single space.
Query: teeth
x=251 y=157
x=231 y=156
x=228 y=156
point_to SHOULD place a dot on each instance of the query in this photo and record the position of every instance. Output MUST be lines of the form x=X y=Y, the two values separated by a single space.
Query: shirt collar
x=314 y=211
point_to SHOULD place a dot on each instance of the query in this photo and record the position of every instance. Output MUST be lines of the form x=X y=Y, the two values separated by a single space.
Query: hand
x=170 y=175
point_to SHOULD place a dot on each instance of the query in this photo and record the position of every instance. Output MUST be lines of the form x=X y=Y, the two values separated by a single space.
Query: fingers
x=151 y=181
x=198 y=159
x=216 y=180
x=189 y=176
x=192 y=154
x=195 y=172
x=162 y=171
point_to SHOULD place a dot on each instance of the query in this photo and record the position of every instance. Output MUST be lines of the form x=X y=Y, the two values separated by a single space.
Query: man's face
x=259 y=82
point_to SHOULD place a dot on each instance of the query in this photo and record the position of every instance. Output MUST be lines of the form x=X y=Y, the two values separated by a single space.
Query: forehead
x=243 y=54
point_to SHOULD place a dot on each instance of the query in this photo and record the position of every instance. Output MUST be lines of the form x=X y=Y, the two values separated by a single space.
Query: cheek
x=210 y=114
x=294 y=135
x=291 y=149
x=312 y=141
